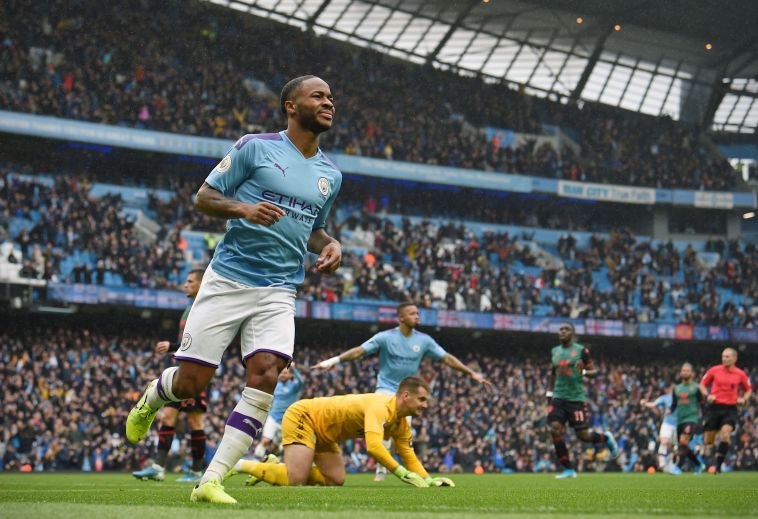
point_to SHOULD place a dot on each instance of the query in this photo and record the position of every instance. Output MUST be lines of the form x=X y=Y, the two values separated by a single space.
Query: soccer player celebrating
x=276 y=191
x=667 y=432
x=312 y=430
x=724 y=381
x=287 y=392
x=194 y=409
x=400 y=350
x=686 y=401
x=567 y=398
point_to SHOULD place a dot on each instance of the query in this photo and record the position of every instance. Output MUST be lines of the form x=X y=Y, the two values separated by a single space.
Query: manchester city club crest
x=416 y=348
x=225 y=164
x=186 y=342
x=323 y=186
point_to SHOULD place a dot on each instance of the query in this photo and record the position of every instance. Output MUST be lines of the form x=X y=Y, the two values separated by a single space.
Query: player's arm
x=550 y=385
x=652 y=405
x=588 y=367
x=328 y=249
x=216 y=196
x=297 y=375
x=673 y=402
x=705 y=384
x=351 y=354
x=748 y=390
x=373 y=426
x=162 y=347
x=213 y=203
x=456 y=364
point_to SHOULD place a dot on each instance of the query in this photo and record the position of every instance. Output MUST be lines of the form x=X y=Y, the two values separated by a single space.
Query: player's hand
x=439 y=482
x=263 y=213
x=330 y=258
x=741 y=400
x=327 y=364
x=643 y=402
x=162 y=347
x=406 y=476
x=479 y=378
x=711 y=399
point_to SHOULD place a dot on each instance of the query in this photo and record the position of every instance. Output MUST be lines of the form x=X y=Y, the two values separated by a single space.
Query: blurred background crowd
x=67 y=390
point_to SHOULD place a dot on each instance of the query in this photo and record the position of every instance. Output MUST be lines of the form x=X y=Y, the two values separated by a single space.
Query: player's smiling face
x=314 y=105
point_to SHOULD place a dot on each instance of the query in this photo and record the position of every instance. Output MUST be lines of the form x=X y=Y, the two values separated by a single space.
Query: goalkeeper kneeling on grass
x=312 y=430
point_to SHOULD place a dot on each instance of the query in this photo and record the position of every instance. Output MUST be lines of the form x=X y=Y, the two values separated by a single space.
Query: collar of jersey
x=286 y=139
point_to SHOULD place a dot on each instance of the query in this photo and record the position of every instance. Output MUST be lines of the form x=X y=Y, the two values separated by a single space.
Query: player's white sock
x=260 y=451
x=663 y=455
x=162 y=392
x=243 y=426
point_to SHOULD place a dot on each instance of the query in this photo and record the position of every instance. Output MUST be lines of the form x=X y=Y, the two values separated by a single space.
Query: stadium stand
x=206 y=86
x=74 y=230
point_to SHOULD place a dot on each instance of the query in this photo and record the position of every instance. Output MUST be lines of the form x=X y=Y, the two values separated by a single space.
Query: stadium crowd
x=63 y=220
x=67 y=390
x=204 y=85
x=436 y=265
x=487 y=273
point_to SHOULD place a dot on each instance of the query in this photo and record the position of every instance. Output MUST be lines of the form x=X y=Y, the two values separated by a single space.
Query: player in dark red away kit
x=722 y=416
x=194 y=409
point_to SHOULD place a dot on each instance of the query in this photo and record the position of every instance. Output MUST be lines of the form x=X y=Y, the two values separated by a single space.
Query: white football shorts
x=272 y=430
x=265 y=318
x=667 y=431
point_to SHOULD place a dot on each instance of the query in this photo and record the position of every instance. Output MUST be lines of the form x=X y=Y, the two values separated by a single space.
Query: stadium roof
x=642 y=55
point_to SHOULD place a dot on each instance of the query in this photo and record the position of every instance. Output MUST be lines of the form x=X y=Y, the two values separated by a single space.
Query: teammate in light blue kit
x=667 y=432
x=287 y=392
x=400 y=351
x=276 y=191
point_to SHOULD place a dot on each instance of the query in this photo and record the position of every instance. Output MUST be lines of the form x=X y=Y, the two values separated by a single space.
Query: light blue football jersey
x=664 y=402
x=400 y=356
x=286 y=394
x=269 y=167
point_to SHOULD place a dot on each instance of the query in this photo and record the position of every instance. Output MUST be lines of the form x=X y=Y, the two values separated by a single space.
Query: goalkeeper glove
x=406 y=476
x=439 y=482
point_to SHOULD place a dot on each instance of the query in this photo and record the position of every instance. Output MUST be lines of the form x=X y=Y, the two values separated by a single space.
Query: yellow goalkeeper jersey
x=370 y=415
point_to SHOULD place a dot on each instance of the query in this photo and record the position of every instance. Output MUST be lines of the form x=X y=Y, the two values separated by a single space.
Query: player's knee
x=297 y=480
x=263 y=371
x=188 y=386
x=335 y=481
x=195 y=421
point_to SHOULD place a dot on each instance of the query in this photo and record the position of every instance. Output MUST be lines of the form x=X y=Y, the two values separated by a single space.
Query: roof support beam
x=464 y=12
x=312 y=20
x=718 y=91
x=587 y=72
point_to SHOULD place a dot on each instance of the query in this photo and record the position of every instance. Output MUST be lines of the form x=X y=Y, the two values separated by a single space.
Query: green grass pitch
x=79 y=496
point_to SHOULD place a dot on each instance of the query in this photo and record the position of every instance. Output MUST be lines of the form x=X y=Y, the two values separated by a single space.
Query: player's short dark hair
x=412 y=385
x=198 y=272
x=573 y=330
x=290 y=87
x=401 y=306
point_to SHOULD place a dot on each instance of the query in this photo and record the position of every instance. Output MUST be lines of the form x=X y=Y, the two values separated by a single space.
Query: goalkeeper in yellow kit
x=313 y=428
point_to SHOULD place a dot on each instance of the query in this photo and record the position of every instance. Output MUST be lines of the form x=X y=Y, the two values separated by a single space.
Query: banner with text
x=606 y=192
